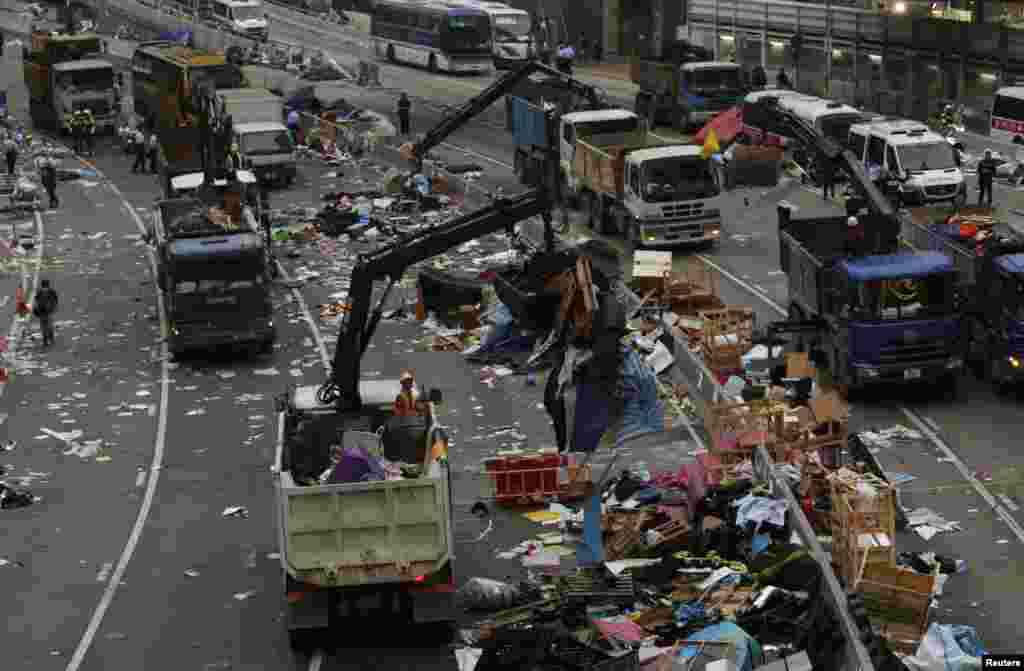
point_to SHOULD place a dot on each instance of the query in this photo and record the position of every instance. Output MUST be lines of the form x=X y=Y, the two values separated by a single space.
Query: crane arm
x=452 y=122
x=826 y=147
x=392 y=261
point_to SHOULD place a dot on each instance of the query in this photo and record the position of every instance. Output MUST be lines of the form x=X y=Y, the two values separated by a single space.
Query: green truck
x=687 y=88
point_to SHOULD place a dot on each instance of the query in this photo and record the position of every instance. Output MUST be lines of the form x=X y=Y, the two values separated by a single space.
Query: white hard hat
x=852 y=221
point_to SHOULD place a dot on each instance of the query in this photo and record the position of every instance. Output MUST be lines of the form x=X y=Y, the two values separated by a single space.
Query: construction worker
x=89 y=129
x=46 y=164
x=404 y=112
x=139 y=148
x=234 y=158
x=10 y=153
x=407 y=403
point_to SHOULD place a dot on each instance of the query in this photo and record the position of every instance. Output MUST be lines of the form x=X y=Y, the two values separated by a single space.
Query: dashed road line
x=158 y=451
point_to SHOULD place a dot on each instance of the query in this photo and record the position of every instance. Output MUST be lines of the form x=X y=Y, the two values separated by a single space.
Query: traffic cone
x=421 y=309
x=4 y=376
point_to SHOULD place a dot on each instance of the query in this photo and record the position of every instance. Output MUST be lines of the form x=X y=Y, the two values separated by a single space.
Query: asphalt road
x=161 y=617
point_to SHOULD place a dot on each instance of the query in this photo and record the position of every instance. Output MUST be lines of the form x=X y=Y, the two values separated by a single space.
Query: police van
x=1006 y=121
x=923 y=162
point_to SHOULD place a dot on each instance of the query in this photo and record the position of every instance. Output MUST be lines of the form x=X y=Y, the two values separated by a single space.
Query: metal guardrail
x=704 y=390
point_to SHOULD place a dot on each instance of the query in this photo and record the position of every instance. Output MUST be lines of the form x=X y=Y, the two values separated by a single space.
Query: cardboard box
x=798 y=365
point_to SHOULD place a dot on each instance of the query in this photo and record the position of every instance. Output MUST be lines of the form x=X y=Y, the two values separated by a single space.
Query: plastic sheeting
x=748 y=651
x=947 y=647
x=726 y=125
x=502 y=329
x=642 y=412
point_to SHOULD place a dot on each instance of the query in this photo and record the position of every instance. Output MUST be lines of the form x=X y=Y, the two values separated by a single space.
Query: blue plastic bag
x=642 y=412
x=948 y=647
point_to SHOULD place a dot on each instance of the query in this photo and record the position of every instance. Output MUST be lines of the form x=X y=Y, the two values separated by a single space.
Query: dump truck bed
x=601 y=167
x=360 y=533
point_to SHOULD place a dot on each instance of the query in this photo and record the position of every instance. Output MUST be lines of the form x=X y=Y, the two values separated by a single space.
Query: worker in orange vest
x=20 y=302
x=407 y=403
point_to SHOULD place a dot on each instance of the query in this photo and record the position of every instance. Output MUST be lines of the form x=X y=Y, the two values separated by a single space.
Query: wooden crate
x=898 y=603
x=721 y=466
x=727 y=335
x=735 y=425
x=856 y=521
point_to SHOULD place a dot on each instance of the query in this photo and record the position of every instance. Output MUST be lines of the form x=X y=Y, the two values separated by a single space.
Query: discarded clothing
x=758 y=509
x=355 y=465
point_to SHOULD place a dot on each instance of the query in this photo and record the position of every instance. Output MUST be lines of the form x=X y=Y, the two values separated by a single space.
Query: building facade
x=899 y=58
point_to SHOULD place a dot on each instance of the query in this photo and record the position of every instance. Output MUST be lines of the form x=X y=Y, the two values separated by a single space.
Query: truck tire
x=432 y=64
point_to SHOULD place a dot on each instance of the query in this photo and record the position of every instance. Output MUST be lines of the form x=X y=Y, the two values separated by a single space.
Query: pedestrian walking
x=782 y=80
x=78 y=132
x=152 y=150
x=10 y=153
x=44 y=306
x=986 y=175
x=21 y=301
x=827 y=168
x=46 y=165
x=404 y=111
x=294 y=124
x=89 y=131
x=139 y=147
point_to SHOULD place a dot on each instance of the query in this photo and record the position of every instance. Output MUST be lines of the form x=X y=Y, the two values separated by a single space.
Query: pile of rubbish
x=689 y=573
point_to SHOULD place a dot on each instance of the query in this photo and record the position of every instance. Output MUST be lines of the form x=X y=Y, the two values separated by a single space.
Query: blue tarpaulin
x=897 y=266
x=748 y=652
x=642 y=412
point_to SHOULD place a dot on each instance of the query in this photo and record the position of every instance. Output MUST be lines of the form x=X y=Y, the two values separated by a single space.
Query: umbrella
x=726 y=125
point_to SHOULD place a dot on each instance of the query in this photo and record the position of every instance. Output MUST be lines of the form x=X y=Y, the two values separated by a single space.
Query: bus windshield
x=466 y=33
x=217 y=286
x=511 y=28
x=917 y=297
x=246 y=13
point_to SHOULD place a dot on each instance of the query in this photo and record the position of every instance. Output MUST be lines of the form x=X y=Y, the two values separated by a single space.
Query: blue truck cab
x=901 y=317
x=873 y=312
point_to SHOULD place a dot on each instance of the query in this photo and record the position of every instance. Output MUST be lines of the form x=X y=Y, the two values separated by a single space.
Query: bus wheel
x=432 y=63
x=391 y=53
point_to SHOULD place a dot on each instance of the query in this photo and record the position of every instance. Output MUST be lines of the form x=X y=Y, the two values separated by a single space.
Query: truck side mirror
x=436 y=396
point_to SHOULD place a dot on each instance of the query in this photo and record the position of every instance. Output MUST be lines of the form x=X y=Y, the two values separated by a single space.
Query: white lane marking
x=140 y=479
x=316 y=661
x=158 y=450
x=965 y=472
x=743 y=284
x=296 y=293
x=470 y=152
x=18 y=325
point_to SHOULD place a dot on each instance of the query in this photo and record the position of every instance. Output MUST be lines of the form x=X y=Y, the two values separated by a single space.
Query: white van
x=925 y=163
x=1006 y=121
x=242 y=17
